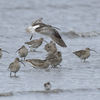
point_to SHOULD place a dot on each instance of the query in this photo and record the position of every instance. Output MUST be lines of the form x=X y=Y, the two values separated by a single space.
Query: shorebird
x=51 y=48
x=83 y=54
x=38 y=64
x=47 y=86
x=39 y=27
x=1 y=52
x=35 y=43
x=23 y=52
x=55 y=59
x=15 y=66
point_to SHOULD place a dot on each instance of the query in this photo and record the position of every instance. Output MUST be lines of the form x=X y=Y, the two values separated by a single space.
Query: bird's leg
x=21 y=59
x=52 y=66
x=84 y=60
x=31 y=36
x=60 y=65
x=55 y=66
x=31 y=49
x=10 y=73
x=24 y=58
x=34 y=50
x=15 y=74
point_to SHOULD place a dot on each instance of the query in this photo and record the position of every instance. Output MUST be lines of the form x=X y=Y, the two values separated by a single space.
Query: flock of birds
x=54 y=57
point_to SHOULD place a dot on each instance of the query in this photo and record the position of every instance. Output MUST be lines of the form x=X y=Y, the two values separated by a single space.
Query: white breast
x=31 y=29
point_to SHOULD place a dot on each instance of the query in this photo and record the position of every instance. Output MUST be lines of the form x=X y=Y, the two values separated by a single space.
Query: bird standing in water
x=83 y=54
x=23 y=52
x=51 y=48
x=15 y=66
x=35 y=43
x=55 y=59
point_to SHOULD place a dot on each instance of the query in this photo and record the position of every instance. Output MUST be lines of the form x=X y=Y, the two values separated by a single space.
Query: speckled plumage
x=38 y=64
x=23 y=52
x=55 y=59
x=51 y=48
x=83 y=54
x=35 y=43
x=14 y=66
x=39 y=27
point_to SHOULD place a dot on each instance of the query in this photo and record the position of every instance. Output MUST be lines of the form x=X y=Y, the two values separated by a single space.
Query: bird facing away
x=51 y=48
x=41 y=28
x=83 y=54
x=47 y=86
x=1 y=52
x=38 y=64
x=23 y=52
x=55 y=59
x=15 y=66
x=35 y=43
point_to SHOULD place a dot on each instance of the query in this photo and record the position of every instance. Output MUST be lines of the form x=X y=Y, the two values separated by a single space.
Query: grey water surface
x=74 y=80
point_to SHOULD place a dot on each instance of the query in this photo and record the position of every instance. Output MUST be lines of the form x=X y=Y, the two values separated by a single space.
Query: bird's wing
x=52 y=56
x=51 y=32
x=57 y=38
x=11 y=65
x=80 y=53
x=36 y=62
x=37 y=21
x=31 y=42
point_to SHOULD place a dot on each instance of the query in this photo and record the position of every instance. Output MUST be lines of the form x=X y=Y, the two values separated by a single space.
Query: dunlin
x=83 y=54
x=1 y=52
x=39 y=27
x=35 y=43
x=51 y=48
x=15 y=66
x=23 y=52
x=55 y=59
x=47 y=86
x=38 y=64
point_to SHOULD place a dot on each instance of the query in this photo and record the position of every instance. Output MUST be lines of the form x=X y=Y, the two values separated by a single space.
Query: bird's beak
x=17 y=50
x=45 y=41
x=5 y=51
x=21 y=62
x=93 y=50
x=56 y=28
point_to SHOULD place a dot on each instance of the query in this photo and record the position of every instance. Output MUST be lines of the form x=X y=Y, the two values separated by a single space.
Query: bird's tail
x=26 y=43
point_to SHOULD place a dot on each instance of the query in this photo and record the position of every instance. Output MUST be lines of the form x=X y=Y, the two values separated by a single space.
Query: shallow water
x=75 y=80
